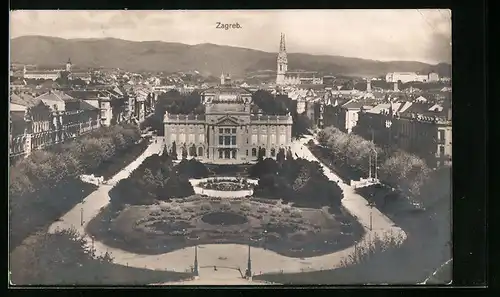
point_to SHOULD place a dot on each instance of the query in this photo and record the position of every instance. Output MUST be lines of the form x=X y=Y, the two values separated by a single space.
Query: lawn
x=111 y=167
x=167 y=226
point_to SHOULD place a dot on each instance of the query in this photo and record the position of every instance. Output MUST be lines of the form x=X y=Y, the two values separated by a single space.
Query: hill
x=205 y=58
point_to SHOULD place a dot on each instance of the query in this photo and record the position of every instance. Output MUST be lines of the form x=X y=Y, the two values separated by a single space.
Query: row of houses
x=417 y=126
x=396 y=120
x=41 y=120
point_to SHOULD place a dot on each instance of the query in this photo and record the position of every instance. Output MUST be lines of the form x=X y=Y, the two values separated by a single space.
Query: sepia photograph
x=230 y=147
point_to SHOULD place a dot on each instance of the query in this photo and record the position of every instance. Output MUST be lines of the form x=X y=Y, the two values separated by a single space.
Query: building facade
x=228 y=132
x=48 y=119
x=411 y=127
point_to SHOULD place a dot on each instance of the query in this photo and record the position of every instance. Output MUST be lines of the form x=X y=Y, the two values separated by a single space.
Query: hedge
x=296 y=180
x=157 y=179
x=46 y=184
x=64 y=258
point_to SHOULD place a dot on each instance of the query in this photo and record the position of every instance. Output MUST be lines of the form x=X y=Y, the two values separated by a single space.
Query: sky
x=387 y=35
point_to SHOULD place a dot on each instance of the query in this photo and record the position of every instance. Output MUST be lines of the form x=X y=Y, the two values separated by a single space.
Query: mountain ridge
x=207 y=58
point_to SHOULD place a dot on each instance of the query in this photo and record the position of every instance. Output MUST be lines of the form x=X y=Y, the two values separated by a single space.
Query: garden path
x=232 y=256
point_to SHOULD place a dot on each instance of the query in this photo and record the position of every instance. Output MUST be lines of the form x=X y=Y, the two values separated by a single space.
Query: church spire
x=282 y=43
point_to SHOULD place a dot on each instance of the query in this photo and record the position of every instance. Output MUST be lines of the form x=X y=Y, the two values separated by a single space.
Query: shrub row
x=157 y=179
x=296 y=180
x=45 y=185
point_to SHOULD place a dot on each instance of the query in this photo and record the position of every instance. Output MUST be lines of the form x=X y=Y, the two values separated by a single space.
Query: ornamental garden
x=285 y=205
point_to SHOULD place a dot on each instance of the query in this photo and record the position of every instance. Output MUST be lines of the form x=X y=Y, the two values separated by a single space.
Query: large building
x=228 y=132
x=285 y=77
x=54 y=74
x=405 y=77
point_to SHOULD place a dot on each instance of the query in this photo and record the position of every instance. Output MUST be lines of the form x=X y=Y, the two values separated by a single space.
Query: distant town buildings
x=405 y=77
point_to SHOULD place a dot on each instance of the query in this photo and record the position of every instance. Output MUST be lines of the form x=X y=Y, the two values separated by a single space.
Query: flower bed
x=221 y=184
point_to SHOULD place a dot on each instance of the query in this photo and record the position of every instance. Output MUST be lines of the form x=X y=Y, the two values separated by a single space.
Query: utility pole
x=195 y=270
x=376 y=163
x=81 y=216
x=249 y=265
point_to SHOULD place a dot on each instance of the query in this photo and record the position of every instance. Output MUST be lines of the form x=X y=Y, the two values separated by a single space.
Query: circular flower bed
x=221 y=184
x=224 y=218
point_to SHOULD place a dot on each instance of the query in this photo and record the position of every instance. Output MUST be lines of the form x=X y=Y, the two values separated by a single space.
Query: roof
x=86 y=106
x=16 y=107
x=23 y=99
x=55 y=95
x=358 y=103
x=40 y=72
x=84 y=94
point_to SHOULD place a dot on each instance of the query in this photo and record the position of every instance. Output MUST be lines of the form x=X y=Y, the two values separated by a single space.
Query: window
x=282 y=139
x=227 y=154
x=227 y=131
x=233 y=131
x=227 y=140
x=441 y=150
x=221 y=140
x=233 y=152
x=441 y=135
x=233 y=140
x=221 y=130
x=221 y=154
x=200 y=152
x=254 y=152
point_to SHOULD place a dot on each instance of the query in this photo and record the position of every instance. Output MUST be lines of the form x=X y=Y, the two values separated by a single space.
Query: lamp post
x=81 y=216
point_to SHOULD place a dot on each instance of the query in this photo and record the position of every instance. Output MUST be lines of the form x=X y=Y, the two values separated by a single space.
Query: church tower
x=282 y=62
x=68 y=65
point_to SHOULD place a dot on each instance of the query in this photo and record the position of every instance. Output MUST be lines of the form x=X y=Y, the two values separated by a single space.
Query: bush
x=375 y=248
x=192 y=169
x=297 y=180
x=155 y=179
x=65 y=258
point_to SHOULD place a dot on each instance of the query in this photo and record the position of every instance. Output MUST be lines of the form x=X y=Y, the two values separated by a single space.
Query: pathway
x=229 y=255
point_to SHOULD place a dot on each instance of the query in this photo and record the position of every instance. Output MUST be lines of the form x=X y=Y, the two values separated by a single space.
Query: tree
x=405 y=172
x=184 y=152
x=61 y=258
x=260 y=154
x=289 y=155
x=173 y=151
x=192 y=151
x=280 y=157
